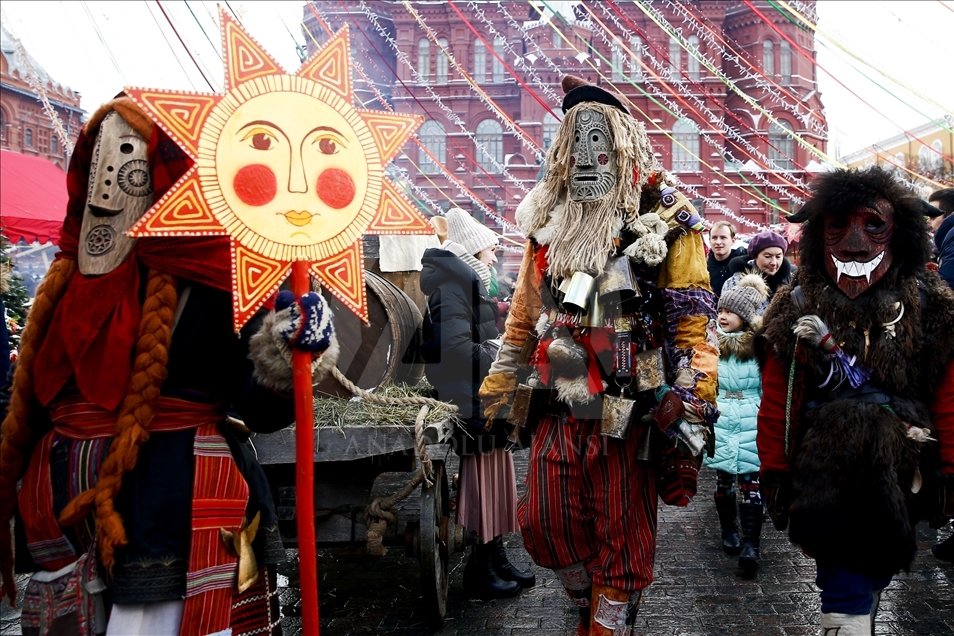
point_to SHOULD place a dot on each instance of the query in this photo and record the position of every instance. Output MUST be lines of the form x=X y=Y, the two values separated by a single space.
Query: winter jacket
x=742 y=265
x=740 y=391
x=460 y=317
x=719 y=271
x=944 y=239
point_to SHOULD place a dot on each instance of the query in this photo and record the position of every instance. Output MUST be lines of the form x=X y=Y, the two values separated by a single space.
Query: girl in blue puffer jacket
x=736 y=457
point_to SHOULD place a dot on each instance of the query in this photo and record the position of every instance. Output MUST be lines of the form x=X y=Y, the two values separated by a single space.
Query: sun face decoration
x=286 y=166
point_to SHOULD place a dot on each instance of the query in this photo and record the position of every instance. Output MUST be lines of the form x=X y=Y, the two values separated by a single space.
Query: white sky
x=910 y=41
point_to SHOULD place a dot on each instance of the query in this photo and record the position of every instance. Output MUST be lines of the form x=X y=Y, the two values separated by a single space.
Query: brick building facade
x=731 y=139
x=25 y=126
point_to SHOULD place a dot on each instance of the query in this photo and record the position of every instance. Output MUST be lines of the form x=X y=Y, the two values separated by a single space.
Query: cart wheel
x=435 y=565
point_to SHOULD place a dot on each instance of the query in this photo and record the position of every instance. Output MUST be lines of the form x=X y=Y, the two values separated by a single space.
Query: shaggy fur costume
x=852 y=462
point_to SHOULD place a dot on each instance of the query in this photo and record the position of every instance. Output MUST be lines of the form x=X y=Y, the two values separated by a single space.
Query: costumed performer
x=856 y=387
x=141 y=503
x=614 y=313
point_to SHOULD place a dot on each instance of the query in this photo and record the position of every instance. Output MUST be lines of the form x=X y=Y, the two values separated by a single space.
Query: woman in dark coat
x=461 y=320
x=766 y=255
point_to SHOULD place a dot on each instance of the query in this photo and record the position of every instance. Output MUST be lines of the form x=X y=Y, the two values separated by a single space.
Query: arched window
x=685 y=147
x=480 y=62
x=551 y=125
x=693 y=62
x=424 y=58
x=785 y=62
x=675 y=57
x=636 y=46
x=937 y=154
x=781 y=146
x=434 y=138
x=490 y=144
x=557 y=39
x=768 y=58
x=497 y=66
x=925 y=159
x=28 y=138
x=618 y=56
x=441 y=61
x=54 y=145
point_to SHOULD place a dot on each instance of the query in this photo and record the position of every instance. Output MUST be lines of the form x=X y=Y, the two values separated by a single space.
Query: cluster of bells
x=585 y=296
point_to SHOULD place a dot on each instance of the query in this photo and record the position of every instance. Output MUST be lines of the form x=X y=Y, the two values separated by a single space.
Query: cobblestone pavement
x=698 y=589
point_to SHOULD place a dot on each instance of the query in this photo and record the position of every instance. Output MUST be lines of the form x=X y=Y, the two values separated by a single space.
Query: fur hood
x=740 y=344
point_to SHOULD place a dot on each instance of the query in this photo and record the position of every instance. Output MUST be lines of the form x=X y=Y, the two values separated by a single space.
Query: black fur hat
x=841 y=192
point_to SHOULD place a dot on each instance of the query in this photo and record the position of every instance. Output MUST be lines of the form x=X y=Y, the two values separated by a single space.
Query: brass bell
x=617 y=416
x=618 y=283
x=568 y=358
x=594 y=312
x=578 y=292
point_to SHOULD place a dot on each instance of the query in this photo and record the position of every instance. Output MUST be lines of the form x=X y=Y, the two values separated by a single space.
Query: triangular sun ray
x=343 y=275
x=182 y=210
x=397 y=215
x=330 y=65
x=245 y=59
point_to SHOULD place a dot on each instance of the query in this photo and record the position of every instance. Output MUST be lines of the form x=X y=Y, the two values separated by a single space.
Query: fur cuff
x=272 y=358
x=573 y=390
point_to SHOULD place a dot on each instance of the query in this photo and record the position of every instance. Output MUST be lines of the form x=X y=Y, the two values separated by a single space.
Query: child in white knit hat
x=736 y=456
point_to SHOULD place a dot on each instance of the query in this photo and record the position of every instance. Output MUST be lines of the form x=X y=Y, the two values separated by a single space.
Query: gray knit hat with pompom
x=746 y=298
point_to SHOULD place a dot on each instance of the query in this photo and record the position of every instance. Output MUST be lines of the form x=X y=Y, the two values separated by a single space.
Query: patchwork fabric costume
x=135 y=478
x=611 y=334
x=856 y=426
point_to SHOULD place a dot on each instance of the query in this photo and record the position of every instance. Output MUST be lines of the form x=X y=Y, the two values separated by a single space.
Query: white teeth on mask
x=856 y=269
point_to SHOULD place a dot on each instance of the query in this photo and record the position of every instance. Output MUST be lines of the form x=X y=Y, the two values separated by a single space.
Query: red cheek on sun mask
x=255 y=184
x=335 y=188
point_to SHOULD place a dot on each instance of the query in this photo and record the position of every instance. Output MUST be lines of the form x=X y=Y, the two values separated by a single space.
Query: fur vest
x=852 y=461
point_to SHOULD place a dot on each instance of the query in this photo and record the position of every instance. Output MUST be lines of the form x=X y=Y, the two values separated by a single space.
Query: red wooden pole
x=304 y=469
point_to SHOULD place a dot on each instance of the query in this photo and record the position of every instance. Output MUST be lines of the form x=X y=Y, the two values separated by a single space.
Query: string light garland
x=716 y=204
x=812 y=59
x=517 y=131
x=451 y=177
x=751 y=73
x=811 y=21
x=451 y=115
x=656 y=16
x=646 y=117
x=520 y=62
x=704 y=113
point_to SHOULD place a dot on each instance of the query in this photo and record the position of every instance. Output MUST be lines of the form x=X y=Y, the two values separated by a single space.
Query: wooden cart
x=347 y=463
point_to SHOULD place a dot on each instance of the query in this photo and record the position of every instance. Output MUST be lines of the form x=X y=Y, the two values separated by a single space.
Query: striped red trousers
x=589 y=500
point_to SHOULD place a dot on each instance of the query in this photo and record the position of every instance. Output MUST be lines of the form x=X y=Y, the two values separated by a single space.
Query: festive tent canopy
x=32 y=198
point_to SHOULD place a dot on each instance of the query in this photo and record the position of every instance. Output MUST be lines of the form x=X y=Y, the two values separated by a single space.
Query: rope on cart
x=378 y=514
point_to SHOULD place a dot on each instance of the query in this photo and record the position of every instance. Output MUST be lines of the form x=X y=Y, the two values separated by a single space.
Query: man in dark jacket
x=721 y=238
x=943 y=235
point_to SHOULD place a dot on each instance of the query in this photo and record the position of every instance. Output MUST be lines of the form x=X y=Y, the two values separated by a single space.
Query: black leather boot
x=730 y=531
x=481 y=580
x=507 y=570
x=750 y=516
